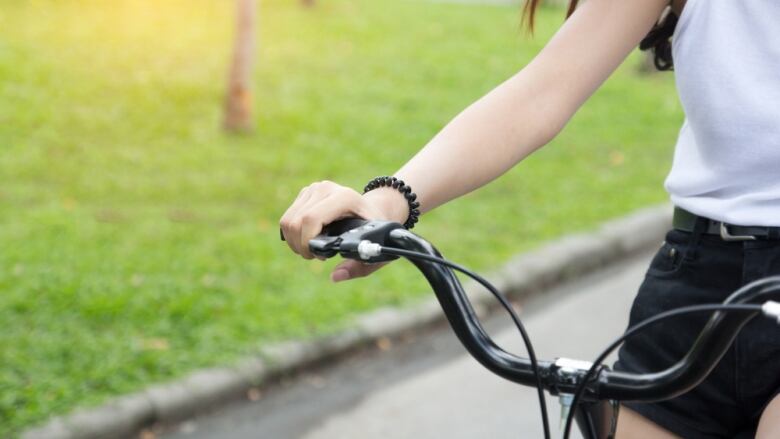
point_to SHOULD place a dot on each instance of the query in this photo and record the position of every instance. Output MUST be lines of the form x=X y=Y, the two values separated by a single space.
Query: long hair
x=659 y=39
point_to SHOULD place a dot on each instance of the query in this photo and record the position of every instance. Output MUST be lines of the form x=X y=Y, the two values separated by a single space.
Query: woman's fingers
x=289 y=223
x=339 y=203
x=318 y=205
x=293 y=219
x=314 y=218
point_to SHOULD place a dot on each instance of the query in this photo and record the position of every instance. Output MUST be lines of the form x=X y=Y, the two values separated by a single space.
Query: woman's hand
x=319 y=204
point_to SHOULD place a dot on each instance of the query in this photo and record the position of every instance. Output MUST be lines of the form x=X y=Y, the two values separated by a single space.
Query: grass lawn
x=138 y=242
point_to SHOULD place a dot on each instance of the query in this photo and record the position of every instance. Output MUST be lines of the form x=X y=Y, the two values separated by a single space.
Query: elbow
x=542 y=124
x=542 y=113
x=544 y=105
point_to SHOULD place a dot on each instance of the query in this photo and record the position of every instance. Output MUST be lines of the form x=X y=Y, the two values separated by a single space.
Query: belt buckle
x=726 y=236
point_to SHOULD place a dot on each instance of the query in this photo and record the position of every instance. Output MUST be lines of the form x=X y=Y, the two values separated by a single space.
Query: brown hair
x=529 y=11
x=659 y=39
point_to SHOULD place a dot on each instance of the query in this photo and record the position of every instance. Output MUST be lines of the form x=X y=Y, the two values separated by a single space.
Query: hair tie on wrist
x=405 y=190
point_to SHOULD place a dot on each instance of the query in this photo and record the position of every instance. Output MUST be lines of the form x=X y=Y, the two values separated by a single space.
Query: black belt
x=684 y=220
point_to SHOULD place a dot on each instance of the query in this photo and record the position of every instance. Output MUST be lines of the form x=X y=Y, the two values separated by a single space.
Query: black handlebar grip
x=345 y=235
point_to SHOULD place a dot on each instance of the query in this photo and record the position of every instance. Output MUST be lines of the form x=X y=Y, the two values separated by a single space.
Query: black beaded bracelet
x=406 y=191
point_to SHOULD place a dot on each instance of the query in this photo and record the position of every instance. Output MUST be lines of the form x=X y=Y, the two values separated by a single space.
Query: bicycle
x=590 y=392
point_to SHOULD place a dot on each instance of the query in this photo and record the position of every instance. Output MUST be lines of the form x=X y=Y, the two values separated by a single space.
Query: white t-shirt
x=727 y=67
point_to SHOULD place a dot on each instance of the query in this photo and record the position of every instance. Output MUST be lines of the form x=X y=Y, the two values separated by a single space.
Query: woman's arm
x=529 y=109
x=497 y=131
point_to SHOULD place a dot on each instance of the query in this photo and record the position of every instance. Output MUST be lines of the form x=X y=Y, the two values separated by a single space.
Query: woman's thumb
x=351 y=269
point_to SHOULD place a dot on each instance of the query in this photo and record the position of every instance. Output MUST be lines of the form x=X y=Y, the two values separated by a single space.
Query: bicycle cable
x=504 y=303
x=639 y=327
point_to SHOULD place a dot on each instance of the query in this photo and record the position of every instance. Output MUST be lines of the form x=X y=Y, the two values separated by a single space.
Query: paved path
x=427 y=387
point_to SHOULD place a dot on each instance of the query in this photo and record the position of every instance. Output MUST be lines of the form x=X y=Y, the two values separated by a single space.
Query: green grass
x=138 y=242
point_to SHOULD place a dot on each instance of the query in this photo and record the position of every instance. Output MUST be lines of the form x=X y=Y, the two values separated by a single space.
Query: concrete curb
x=522 y=276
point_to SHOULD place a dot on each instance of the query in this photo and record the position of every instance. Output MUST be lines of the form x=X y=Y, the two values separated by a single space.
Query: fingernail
x=339 y=275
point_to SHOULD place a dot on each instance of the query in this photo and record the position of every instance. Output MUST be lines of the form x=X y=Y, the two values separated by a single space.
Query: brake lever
x=344 y=236
x=348 y=237
x=327 y=243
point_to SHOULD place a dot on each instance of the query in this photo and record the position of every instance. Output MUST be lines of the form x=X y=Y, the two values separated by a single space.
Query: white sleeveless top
x=727 y=67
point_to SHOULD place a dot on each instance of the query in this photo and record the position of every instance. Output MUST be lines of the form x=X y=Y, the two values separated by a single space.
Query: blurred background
x=146 y=154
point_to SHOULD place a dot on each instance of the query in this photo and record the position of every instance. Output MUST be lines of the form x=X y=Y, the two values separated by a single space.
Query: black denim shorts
x=690 y=270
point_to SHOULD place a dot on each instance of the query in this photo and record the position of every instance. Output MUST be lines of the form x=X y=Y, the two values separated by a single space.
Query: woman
x=725 y=182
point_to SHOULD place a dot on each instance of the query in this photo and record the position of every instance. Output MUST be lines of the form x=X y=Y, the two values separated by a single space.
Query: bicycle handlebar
x=560 y=376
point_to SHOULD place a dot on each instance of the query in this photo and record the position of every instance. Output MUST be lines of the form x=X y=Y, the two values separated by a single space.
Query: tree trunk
x=238 y=100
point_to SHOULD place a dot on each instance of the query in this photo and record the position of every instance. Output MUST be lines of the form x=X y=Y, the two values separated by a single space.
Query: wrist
x=389 y=202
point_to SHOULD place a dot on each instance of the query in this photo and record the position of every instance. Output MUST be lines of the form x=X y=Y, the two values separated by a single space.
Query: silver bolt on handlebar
x=771 y=309
x=571 y=365
x=367 y=250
